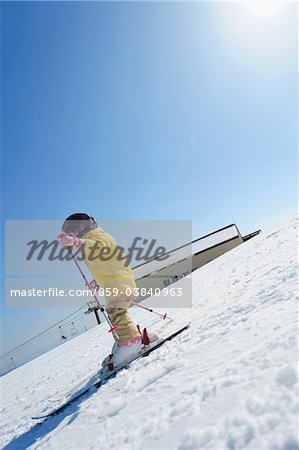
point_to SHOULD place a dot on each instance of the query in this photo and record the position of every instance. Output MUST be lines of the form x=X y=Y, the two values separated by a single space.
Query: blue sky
x=147 y=111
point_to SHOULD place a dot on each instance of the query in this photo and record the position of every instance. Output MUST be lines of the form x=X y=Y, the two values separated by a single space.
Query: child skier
x=114 y=276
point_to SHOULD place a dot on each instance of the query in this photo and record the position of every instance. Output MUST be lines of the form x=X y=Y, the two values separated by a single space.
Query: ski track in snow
x=228 y=382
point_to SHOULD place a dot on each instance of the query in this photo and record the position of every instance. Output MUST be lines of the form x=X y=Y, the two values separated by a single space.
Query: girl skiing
x=112 y=274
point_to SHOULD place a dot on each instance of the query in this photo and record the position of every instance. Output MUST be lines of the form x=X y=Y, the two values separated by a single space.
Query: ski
x=80 y=385
x=98 y=380
x=94 y=375
x=89 y=380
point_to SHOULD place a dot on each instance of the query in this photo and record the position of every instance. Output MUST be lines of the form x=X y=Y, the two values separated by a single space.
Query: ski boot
x=127 y=351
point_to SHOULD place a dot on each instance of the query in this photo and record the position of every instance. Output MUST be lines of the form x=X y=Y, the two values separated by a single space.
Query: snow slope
x=228 y=382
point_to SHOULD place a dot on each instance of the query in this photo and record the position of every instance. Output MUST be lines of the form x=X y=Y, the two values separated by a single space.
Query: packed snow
x=228 y=382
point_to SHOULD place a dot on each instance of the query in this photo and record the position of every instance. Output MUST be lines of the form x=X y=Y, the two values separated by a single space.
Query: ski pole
x=112 y=328
x=153 y=311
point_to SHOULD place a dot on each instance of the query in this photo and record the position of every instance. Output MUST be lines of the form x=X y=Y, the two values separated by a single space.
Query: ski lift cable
x=33 y=344
x=42 y=334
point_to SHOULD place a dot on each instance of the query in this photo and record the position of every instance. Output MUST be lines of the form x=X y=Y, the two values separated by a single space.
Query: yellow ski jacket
x=108 y=267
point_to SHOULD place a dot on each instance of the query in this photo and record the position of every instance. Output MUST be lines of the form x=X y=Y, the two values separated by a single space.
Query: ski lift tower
x=93 y=307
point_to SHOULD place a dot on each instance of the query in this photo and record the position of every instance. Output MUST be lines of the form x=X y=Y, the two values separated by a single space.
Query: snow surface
x=228 y=382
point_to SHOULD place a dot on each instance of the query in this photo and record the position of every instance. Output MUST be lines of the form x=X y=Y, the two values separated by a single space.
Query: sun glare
x=257 y=34
x=263 y=9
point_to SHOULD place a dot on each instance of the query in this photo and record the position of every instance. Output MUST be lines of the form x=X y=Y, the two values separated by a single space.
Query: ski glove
x=68 y=241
